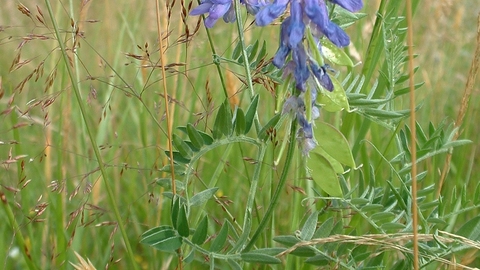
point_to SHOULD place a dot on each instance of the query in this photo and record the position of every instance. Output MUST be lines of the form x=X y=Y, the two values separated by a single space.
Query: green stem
x=246 y=63
x=93 y=142
x=281 y=185
x=16 y=231
x=247 y=220
x=217 y=63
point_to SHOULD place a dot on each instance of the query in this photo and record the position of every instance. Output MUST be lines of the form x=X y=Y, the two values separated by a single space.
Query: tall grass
x=60 y=187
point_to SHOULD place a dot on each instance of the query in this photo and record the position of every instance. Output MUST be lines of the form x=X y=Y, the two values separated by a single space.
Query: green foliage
x=242 y=201
x=334 y=101
x=163 y=238
x=324 y=174
x=260 y=256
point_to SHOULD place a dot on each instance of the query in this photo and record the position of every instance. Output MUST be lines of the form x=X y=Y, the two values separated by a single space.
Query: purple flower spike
x=296 y=27
x=316 y=10
x=292 y=56
x=306 y=126
x=307 y=145
x=336 y=35
x=280 y=56
x=271 y=12
x=305 y=135
x=283 y=49
x=301 y=72
x=254 y=6
x=215 y=9
x=322 y=76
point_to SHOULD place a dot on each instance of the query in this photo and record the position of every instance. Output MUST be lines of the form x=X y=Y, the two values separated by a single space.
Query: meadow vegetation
x=84 y=147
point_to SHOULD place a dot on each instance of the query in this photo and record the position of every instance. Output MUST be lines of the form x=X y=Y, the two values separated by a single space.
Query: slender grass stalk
x=413 y=139
x=93 y=142
x=167 y=114
x=8 y=209
x=60 y=198
x=375 y=46
x=165 y=95
x=280 y=186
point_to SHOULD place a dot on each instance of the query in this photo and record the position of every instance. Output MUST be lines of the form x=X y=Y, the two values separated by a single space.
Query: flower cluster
x=292 y=55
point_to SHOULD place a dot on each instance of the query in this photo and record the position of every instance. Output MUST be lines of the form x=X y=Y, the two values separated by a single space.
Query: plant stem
x=165 y=96
x=246 y=63
x=217 y=63
x=281 y=185
x=16 y=231
x=247 y=221
x=92 y=138
x=413 y=141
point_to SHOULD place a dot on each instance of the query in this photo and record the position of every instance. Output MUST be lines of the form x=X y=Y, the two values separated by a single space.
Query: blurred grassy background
x=55 y=190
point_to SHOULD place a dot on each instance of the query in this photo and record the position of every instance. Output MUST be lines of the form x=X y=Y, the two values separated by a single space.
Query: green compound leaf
x=360 y=253
x=166 y=183
x=256 y=257
x=437 y=221
x=325 y=229
x=153 y=231
x=393 y=226
x=345 y=18
x=333 y=101
x=253 y=51
x=221 y=238
x=234 y=265
x=335 y=54
x=200 y=234
x=223 y=122
x=382 y=216
x=263 y=52
x=337 y=166
x=269 y=251
x=332 y=141
x=323 y=173
x=372 y=208
x=237 y=51
x=203 y=196
x=178 y=158
x=240 y=122
x=162 y=238
x=250 y=114
x=359 y=201
x=190 y=256
x=182 y=222
x=175 y=210
x=318 y=260
x=290 y=240
x=309 y=227
x=207 y=139
x=471 y=229
x=177 y=168
x=382 y=114
x=190 y=144
x=182 y=147
x=194 y=136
